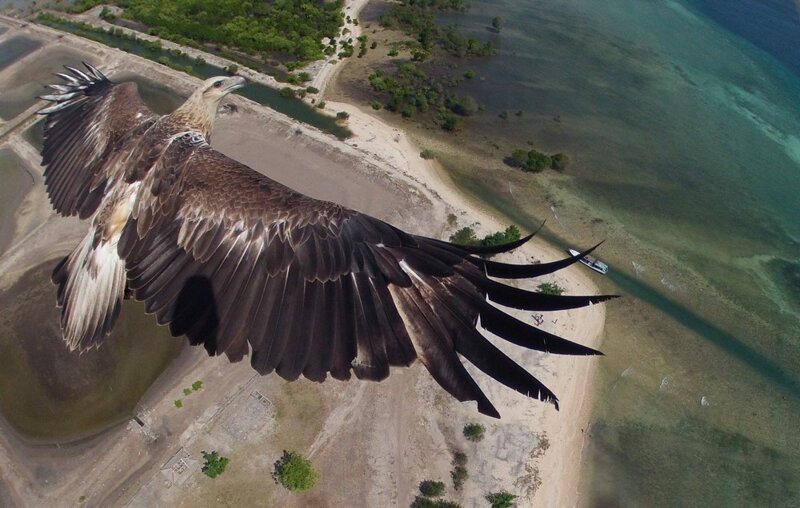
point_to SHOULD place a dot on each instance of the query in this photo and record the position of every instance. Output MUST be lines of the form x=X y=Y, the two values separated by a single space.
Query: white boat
x=591 y=261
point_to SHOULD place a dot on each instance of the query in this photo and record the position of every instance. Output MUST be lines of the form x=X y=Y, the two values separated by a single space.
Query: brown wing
x=90 y=122
x=244 y=265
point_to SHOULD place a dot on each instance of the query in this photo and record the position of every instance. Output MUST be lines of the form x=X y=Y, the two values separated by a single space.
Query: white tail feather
x=91 y=286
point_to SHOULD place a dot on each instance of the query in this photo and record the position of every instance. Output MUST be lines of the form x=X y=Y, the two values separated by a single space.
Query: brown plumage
x=248 y=267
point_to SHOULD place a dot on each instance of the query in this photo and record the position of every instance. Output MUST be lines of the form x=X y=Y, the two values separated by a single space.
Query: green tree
x=510 y=234
x=424 y=502
x=214 y=464
x=464 y=236
x=449 y=122
x=429 y=488
x=459 y=476
x=559 y=161
x=501 y=499
x=197 y=385
x=497 y=23
x=294 y=472
x=474 y=432
x=550 y=288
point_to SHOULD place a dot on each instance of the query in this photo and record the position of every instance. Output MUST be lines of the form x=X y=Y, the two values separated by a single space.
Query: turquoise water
x=684 y=138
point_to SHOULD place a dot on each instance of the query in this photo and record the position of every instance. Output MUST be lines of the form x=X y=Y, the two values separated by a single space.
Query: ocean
x=682 y=123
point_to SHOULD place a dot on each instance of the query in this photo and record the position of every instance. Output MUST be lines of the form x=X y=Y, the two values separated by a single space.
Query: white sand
x=569 y=377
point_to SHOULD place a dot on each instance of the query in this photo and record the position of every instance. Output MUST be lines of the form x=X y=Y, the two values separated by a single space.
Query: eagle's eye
x=217 y=84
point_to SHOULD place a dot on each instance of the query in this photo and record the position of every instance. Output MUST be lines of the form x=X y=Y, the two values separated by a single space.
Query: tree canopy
x=430 y=488
x=294 y=472
x=474 y=432
x=214 y=464
x=501 y=499
x=535 y=161
x=466 y=236
x=294 y=28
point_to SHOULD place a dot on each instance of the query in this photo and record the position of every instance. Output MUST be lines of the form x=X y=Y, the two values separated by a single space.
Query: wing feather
x=242 y=264
x=90 y=120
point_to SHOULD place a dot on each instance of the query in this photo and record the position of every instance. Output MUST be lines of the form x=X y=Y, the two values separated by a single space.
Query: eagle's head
x=200 y=108
x=214 y=89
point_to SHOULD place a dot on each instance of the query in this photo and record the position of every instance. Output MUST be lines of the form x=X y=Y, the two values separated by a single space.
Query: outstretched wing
x=244 y=265
x=90 y=122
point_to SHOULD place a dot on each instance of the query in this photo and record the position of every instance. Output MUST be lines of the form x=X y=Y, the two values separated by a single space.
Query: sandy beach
x=568 y=377
x=396 y=433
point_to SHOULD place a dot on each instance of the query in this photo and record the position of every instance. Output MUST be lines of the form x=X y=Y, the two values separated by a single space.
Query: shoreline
x=565 y=429
x=560 y=466
x=389 y=149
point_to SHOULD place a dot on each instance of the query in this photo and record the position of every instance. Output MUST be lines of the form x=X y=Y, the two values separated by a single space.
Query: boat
x=591 y=261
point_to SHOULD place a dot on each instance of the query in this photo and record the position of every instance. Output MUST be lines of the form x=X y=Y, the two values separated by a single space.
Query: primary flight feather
x=246 y=266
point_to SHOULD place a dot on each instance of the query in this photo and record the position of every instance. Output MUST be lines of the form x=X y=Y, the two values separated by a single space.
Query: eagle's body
x=246 y=266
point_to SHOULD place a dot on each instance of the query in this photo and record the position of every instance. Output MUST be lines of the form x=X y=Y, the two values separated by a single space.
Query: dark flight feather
x=248 y=267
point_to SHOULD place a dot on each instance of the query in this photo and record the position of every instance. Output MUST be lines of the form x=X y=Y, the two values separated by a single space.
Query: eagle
x=247 y=267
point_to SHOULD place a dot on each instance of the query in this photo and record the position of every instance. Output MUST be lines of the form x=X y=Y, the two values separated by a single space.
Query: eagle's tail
x=91 y=285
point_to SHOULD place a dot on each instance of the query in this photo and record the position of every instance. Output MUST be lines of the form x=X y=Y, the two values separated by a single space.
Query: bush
x=321 y=104
x=462 y=105
x=501 y=499
x=107 y=15
x=178 y=403
x=474 y=432
x=393 y=52
x=423 y=502
x=287 y=92
x=197 y=385
x=469 y=74
x=503 y=115
x=342 y=115
x=312 y=89
x=187 y=391
x=294 y=472
x=430 y=488
x=510 y=234
x=449 y=122
x=376 y=105
x=497 y=23
x=550 y=288
x=460 y=459
x=464 y=236
x=459 y=475
x=532 y=160
x=232 y=69
x=304 y=76
x=427 y=154
x=214 y=464
x=559 y=161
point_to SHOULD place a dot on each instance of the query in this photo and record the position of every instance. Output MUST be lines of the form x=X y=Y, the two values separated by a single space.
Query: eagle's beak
x=234 y=83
